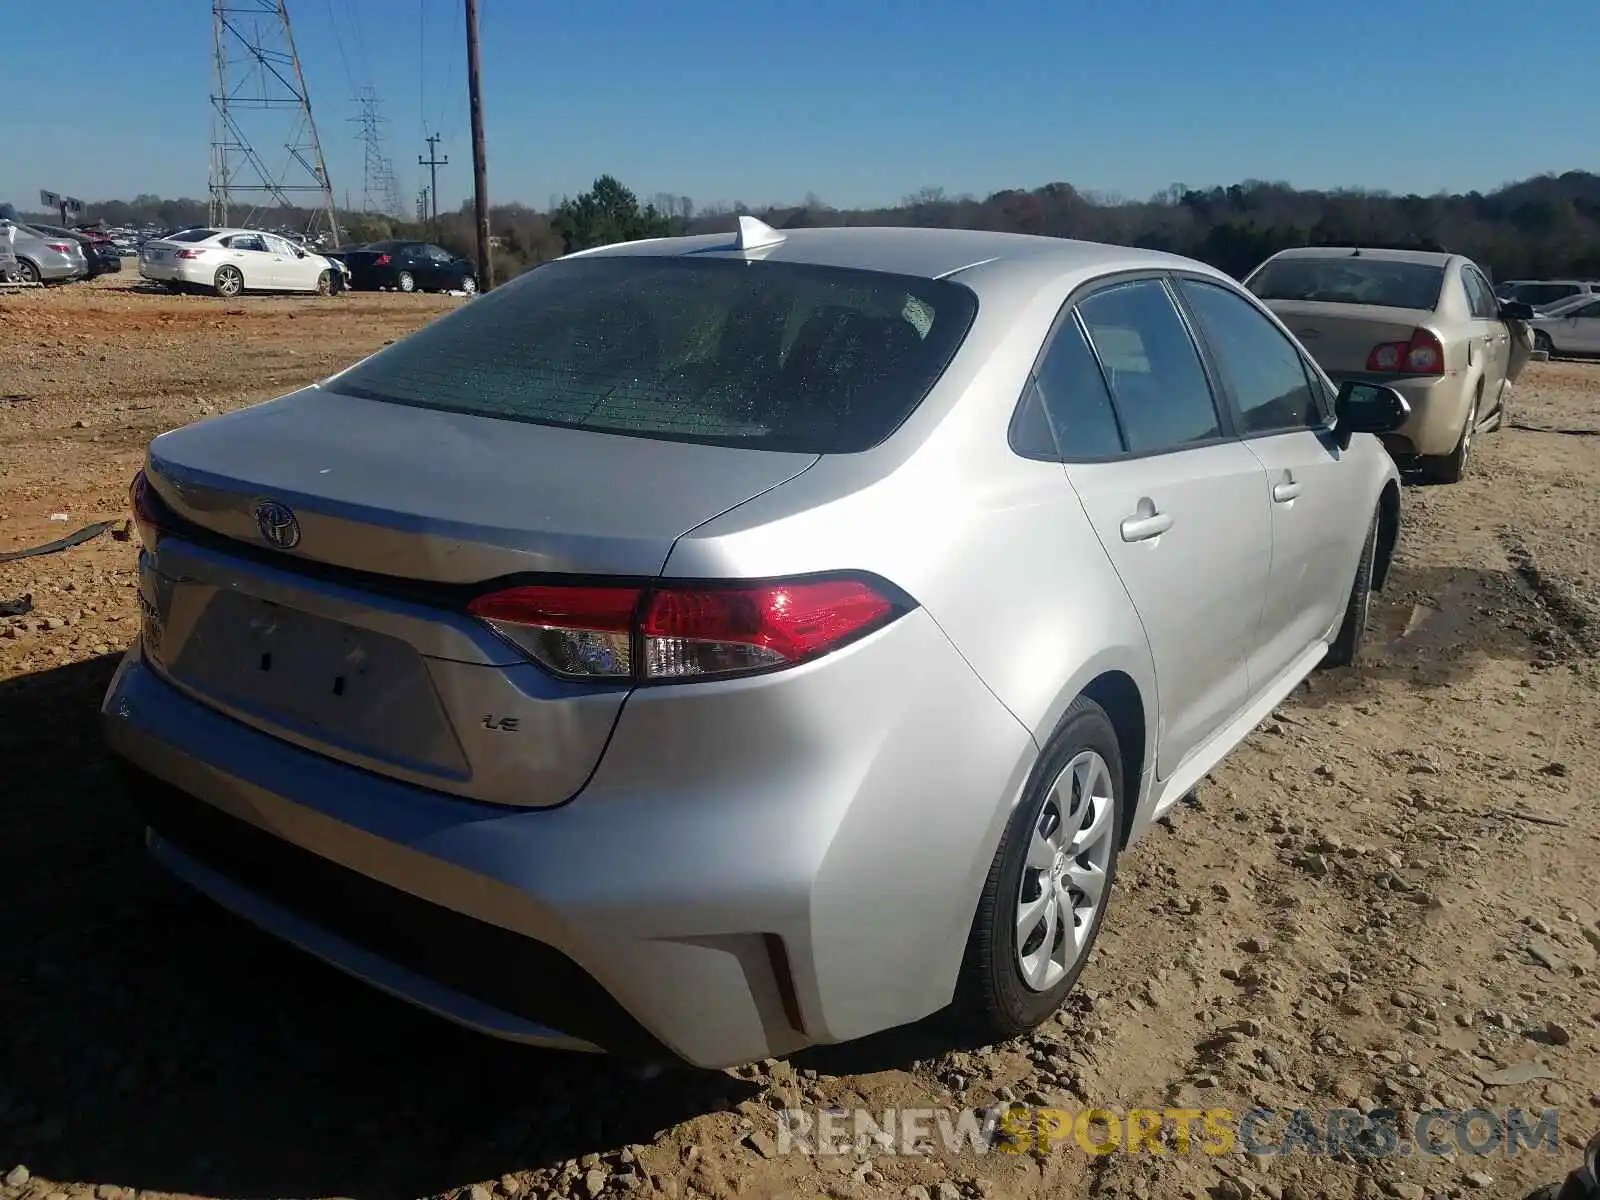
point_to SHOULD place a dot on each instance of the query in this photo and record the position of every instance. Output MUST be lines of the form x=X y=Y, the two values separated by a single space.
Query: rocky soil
x=1389 y=897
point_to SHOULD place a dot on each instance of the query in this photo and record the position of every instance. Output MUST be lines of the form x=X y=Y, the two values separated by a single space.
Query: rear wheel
x=406 y=282
x=469 y=285
x=28 y=271
x=1047 y=890
x=229 y=281
x=1452 y=467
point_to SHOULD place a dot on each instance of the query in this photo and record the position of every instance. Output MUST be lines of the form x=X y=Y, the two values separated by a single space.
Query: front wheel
x=1046 y=893
x=1358 y=609
x=229 y=281
x=406 y=282
x=1542 y=342
x=325 y=283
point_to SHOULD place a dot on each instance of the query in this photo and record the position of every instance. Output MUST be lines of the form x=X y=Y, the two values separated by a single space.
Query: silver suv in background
x=714 y=646
x=1426 y=324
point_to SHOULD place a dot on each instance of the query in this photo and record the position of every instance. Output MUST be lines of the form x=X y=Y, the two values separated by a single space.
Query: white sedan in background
x=1574 y=330
x=231 y=261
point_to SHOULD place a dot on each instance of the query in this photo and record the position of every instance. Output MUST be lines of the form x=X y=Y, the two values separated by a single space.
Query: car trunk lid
x=1342 y=336
x=332 y=543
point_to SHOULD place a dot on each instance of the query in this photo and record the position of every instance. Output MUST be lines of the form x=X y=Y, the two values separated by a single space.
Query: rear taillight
x=59 y=247
x=189 y=253
x=150 y=514
x=1422 y=355
x=382 y=260
x=673 y=632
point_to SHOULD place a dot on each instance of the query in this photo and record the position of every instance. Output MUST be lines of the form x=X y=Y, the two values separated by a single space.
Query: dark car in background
x=407 y=267
x=99 y=252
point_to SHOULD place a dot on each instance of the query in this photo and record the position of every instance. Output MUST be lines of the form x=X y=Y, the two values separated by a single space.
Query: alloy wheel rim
x=1065 y=872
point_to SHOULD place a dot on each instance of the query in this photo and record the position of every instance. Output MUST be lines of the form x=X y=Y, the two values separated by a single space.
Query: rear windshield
x=770 y=356
x=193 y=235
x=1349 y=280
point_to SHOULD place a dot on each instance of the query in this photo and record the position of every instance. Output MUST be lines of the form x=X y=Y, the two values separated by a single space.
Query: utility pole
x=433 y=162
x=480 y=168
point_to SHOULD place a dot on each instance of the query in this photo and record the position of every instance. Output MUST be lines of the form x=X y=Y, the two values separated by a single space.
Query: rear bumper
x=728 y=887
x=178 y=271
x=55 y=268
x=1438 y=411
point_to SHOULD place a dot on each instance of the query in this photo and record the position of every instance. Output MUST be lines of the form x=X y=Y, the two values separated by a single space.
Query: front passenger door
x=1176 y=501
x=1320 y=512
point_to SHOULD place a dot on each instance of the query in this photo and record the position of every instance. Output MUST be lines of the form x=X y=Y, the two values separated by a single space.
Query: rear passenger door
x=1320 y=511
x=1178 y=503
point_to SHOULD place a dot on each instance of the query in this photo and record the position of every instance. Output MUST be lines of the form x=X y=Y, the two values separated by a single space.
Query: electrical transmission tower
x=260 y=105
x=379 y=190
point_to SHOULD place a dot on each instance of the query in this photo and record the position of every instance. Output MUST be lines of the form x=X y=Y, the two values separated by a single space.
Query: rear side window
x=1350 y=280
x=1586 y=310
x=1480 y=299
x=1075 y=399
x=193 y=235
x=771 y=356
x=1150 y=361
x=1261 y=367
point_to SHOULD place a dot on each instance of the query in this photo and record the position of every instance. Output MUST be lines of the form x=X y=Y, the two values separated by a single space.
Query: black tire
x=28 y=271
x=229 y=281
x=405 y=281
x=1452 y=467
x=992 y=996
x=1541 y=341
x=325 y=283
x=1358 y=608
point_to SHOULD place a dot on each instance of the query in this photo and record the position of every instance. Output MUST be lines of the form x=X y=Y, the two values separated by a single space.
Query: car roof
x=1431 y=258
x=922 y=252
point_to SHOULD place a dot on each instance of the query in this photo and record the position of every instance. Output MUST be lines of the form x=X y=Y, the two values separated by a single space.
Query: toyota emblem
x=278 y=524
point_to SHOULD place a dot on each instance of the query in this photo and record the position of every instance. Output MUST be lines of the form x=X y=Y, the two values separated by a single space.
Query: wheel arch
x=1119 y=695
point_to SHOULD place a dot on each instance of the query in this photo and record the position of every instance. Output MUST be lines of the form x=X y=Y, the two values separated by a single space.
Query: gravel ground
x=1388 y=897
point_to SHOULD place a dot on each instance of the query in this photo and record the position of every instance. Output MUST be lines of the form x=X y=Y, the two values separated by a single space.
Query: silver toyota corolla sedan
x=712 y=646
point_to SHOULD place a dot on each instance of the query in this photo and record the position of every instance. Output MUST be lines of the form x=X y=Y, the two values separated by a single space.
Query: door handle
x=1284 y=492
x=1146 y=522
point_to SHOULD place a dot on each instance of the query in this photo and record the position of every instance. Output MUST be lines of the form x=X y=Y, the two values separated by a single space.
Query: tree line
x=1544 y=227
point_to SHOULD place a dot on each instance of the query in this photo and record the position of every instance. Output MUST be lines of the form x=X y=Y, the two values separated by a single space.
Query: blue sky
x=859 y=103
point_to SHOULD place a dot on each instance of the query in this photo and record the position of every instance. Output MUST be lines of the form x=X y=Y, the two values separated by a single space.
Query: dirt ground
x=1389 y=894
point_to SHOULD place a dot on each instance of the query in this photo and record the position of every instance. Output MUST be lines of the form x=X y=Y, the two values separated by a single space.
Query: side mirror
x=1367 y=408
x=1516 y=310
